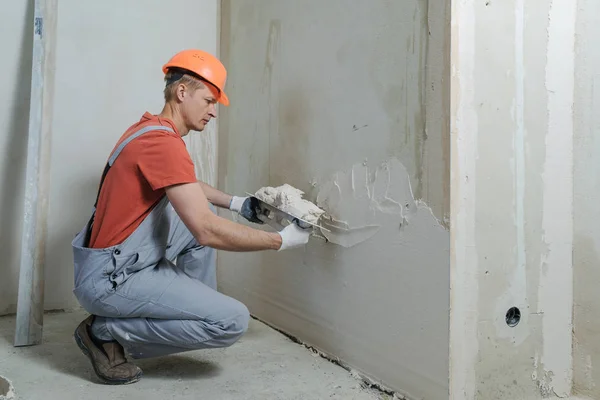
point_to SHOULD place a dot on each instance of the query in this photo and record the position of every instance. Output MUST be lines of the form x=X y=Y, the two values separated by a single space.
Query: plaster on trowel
x=285 y=203
x=273 y=216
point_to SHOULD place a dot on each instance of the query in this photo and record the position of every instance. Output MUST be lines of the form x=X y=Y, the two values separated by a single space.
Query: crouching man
x=145 y=262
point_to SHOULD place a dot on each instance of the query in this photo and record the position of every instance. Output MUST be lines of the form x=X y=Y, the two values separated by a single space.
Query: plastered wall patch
x=359 y=201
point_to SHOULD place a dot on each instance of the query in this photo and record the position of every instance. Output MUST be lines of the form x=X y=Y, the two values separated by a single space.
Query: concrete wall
x=109 y=56
x=512 y=179
x=331 y=99
x=586 y=246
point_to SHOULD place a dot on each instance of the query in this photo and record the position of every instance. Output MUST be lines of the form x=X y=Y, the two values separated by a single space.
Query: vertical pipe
x=30 y=306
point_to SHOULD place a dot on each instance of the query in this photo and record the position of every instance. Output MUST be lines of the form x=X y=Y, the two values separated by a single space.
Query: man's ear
x=181 y=92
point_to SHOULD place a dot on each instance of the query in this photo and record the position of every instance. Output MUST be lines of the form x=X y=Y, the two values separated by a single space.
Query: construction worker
x=145 y=262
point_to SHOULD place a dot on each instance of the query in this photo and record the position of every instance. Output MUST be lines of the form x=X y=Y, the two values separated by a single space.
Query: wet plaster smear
x=359 y=202
x=372 y=290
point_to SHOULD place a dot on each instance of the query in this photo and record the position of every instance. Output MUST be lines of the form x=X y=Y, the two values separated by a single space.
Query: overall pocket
x=94 y=298
x=128 y=263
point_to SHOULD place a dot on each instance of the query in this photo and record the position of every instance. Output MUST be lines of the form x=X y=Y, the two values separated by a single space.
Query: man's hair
x=174 y=77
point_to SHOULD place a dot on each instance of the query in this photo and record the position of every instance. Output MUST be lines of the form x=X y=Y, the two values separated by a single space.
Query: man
x=145 y=262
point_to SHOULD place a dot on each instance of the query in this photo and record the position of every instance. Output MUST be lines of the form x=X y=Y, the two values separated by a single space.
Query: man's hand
x=293 y=236
x=247 y=207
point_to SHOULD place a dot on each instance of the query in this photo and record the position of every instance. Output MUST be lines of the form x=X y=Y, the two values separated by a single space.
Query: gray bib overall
x=156 y=291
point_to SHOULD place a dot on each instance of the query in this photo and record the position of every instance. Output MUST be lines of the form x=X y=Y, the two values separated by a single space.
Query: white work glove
x=237 y=203
x=293 y=236
x=247 y=207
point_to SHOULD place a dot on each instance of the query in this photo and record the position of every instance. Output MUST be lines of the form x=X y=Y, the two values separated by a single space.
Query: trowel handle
x=302 y=224
x=271 y=222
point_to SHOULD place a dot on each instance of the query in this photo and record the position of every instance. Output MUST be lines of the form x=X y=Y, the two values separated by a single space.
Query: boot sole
x=104 y=379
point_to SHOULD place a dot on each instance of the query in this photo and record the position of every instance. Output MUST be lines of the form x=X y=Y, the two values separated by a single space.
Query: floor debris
x=6 y=389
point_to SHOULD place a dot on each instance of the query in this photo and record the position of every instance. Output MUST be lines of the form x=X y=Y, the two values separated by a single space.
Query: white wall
x=324 y=92
x=109 y=56
x=512 y=176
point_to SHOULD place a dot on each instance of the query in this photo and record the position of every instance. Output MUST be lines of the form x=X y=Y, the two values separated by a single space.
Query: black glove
x=247 y=207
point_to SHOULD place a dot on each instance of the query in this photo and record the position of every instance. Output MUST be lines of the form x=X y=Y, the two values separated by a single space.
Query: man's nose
x=212 y=111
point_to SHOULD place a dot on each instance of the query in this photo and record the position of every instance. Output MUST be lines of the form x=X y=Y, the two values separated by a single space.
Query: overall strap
x=112 y=160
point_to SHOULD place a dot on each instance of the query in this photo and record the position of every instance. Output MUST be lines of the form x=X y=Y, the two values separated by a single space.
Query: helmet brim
x=223 y=99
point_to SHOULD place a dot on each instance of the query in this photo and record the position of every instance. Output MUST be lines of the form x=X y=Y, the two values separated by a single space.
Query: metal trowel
x=274 y=217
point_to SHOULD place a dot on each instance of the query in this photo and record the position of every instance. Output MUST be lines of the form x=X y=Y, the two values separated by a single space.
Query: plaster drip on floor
x=365 y=381
x=7 y=391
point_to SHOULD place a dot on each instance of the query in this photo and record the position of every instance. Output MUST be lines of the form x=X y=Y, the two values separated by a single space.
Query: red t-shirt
x=137 y=179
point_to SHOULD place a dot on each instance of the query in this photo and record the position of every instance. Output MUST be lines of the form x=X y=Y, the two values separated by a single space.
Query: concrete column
x=512 y=95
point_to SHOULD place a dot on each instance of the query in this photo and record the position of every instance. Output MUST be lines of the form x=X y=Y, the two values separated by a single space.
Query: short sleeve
x=164 y=161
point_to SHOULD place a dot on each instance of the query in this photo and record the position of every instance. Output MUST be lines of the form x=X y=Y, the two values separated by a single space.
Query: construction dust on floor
x=264 y=365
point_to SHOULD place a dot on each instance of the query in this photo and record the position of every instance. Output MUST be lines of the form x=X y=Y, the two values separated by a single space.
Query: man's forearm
x=190 y=203
x=215 y=196
x=223 y=234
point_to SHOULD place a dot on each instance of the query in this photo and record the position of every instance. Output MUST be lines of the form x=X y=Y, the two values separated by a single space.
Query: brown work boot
x=108 y=360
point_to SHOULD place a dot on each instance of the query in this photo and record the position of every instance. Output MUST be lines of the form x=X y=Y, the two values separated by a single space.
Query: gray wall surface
x=586 y=242
x=331 y=99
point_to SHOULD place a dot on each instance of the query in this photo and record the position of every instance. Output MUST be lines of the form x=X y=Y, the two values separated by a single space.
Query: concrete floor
x=263 y=365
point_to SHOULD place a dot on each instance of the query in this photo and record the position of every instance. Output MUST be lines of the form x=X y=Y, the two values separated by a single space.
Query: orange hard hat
x=203 y=64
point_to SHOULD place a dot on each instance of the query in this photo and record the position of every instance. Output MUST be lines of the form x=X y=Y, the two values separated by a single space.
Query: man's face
x=199 y=107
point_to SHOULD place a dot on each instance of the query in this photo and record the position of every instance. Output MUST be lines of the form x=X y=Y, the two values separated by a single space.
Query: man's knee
x=236 y=323
x=224 y=331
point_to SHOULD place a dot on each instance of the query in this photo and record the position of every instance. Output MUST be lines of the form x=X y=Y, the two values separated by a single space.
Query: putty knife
x=271 y=212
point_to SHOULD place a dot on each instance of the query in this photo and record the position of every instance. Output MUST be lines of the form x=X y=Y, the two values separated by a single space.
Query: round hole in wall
x=513 y=317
